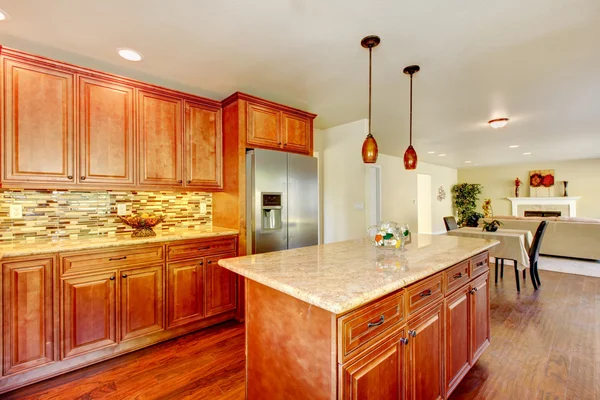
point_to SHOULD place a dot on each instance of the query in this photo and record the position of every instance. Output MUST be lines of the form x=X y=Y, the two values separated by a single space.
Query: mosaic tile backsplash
x=52 y=214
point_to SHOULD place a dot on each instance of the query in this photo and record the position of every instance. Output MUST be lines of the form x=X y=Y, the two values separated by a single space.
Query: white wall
x=343 y=185
x=498 y=183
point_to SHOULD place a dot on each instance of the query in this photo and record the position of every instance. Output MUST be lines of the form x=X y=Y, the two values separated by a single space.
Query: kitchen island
x=345 y=321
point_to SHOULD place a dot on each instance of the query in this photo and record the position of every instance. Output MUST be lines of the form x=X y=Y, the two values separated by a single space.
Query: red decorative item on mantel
x=517 y=185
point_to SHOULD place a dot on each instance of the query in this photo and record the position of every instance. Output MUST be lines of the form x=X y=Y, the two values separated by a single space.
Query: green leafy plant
x=491 y=226
x=466 y=196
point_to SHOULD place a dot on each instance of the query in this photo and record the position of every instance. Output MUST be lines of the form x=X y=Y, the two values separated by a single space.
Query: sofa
x=565 y=236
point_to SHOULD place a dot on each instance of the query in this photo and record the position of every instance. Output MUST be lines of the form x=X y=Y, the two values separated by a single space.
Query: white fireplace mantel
x=545 y=201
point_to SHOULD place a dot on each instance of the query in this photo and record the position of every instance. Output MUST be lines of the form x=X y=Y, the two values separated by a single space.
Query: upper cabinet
x=106 y=135
x=160 y=137
x=203 y=146
x=64 y=126
x=273 y=126
x=38 y=122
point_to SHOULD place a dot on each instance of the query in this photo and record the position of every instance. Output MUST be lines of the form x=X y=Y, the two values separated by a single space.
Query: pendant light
x=410 y=156
x=369 y=147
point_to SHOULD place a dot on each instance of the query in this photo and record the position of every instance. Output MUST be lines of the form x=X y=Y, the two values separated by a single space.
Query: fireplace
x=532 y=213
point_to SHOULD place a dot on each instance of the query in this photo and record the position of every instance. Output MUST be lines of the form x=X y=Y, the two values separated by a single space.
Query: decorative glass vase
x=516 y=191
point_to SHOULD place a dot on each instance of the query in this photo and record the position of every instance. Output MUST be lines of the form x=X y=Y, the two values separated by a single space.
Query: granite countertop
x=99 y=242
x=341 y=276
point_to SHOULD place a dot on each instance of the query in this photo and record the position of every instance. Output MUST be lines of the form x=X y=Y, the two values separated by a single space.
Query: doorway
x=425 y=223
x=373 y=194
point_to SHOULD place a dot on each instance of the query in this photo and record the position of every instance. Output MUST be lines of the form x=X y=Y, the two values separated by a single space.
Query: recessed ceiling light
x=129 y=54
x=527 y=154
x=442 y=155
x=513 y=146
x=475 y=164
x=431 y=152
x=468 y=162
x=3 y=15
x=498 y=122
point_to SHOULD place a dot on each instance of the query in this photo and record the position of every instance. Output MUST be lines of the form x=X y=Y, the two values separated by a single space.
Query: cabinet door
x=264 y=126
x=160 y=139
x=296 y=133
x=425 y=367
x=89 y=313
x=38 y=128
x=203 y=147
x=378 y=375
x=220 y=287
x=141 y=301
x=28 y=317
x=480 y=316
x=185 y=292
x=106 y=137
x=457 y=337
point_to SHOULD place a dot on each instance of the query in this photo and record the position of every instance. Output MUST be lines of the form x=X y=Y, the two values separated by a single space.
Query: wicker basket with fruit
x=142 y=224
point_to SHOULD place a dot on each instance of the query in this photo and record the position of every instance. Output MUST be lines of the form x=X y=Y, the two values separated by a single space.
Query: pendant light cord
x=370 y=63
x=410 y=129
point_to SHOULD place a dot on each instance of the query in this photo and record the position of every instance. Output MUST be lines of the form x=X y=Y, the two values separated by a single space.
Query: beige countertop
x=100 y=242
x=341 y=276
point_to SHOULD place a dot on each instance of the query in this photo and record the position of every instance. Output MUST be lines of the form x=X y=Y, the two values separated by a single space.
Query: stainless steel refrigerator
x=282 y=201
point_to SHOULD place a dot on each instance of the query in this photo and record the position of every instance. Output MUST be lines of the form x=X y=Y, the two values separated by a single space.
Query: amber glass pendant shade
x=410 y=158
x=370 y=150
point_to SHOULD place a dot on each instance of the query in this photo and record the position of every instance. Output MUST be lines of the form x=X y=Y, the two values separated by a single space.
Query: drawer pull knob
x=180 y=181
x=404 y=340
x=112 y=278
x=373 y=324
x=458 y=276
x=117 y=258
x=412 y=333
x=82 y=178
x=426 y=293
x=473 y=291
x=210 y=262
x=203 y=248
x=200 y=263
x=70 y=177
x=124 y=276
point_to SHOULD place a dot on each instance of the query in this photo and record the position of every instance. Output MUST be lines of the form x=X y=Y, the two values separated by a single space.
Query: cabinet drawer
x=97 y=260
x=199 y=248
x=456 y=276
x=359 y=328
x=424 y=293
x=480 y=264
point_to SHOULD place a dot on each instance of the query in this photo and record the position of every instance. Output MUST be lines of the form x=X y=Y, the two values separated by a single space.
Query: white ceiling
x=536 y=62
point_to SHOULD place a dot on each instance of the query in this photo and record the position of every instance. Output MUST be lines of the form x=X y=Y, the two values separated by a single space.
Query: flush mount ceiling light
x=129 y=54
x=410 y=155
x=3 y=15
x=527 y=154
x=498 y=122
x=369 y=147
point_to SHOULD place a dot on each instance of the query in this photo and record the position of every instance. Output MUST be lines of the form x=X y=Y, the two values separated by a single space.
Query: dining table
x=514 y=243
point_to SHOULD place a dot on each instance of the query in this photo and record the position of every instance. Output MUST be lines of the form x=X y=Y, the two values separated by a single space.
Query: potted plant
x=491 y=226
x=466 y=196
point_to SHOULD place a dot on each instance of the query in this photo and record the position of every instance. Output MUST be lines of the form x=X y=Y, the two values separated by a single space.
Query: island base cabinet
x=458 y=333
x=378 y=375
x=426 y=358
x=480 y=316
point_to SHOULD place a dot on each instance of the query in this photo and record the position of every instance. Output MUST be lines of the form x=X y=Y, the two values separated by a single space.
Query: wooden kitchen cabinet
x=106 y=132
x=458 y=332
x=88 y=312
x=38 y=122
x=203 y=147
x=264 y=126
x=160 y=139
x=378 y=375
x=480 y=316
x=141 y=293
x=185 y=292
x=29 y=334
x=296 y=133
x=426 y=357
x=220 y=286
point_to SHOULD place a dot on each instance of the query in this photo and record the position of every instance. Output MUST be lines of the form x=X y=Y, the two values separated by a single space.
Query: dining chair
x=534 y=255
x=450 y=223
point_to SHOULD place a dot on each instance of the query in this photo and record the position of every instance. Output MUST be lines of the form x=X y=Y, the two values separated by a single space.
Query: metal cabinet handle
x=200 y=263
x=457 y=276
x=373 y=324
x=203 y=248
x=124 y=276
x=473 y=291
x=210 y=262
x=480 y=263
x=180 y=181
x=426 y=293
x=412 y=333
x=112 y=278
x=117 y=258
x=189 y=182
x=70 y=177
x=82 y=178
x=404 y=340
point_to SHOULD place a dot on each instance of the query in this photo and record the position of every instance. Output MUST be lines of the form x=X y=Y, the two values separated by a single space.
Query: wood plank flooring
x=545 y=345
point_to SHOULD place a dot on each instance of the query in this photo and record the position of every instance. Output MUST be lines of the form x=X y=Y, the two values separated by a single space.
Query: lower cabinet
x=480 y=316
x=426 y=358
x=220 y=287
x=378 y=375
x=141 y=293
x=185 y=292
x=29 y=338
x=458 y=335
x=89 y=311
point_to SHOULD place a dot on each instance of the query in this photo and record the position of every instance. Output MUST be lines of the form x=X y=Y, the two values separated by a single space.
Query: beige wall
x=498 y=183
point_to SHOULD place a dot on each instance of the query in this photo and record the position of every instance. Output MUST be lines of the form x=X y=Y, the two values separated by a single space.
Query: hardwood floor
x=545 y=345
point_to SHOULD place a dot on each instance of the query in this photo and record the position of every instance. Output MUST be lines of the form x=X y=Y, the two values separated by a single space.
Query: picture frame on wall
x=541 y=183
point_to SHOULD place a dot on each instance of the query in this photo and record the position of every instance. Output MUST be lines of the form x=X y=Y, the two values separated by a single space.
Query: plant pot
x=493 y=228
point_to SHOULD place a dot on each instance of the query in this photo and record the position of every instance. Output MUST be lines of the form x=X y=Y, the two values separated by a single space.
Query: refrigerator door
x=269 y=200
x=303 y=201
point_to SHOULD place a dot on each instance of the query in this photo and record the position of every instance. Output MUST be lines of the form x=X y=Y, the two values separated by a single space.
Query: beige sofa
x=565 y=236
